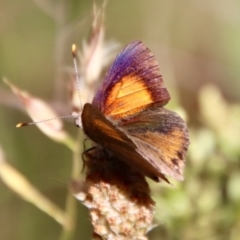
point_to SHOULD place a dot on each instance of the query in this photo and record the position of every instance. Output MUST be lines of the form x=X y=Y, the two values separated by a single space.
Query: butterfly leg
x=85 y=152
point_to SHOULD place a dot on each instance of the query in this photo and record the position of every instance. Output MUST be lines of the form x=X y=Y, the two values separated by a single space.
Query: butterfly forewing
x=132 y=83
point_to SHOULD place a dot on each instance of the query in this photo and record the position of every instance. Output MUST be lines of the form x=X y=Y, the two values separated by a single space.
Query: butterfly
x=127 y=117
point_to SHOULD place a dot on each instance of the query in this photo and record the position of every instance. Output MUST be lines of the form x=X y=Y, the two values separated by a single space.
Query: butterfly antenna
x=73 y=115
x=74 y=53
x=45 y=120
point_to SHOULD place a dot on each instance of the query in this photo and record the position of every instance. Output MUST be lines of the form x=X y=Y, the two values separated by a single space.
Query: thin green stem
x=71 y=202
x=71 y=143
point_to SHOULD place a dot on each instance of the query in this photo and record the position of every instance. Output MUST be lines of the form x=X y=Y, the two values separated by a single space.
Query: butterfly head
x=77 y=119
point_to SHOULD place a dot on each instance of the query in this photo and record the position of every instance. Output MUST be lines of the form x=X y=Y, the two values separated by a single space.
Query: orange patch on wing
x=128 y=95
x=171 y=145
x=131 y=85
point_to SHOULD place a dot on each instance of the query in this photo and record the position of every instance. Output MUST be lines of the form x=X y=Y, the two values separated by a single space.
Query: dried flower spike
x=117 y=197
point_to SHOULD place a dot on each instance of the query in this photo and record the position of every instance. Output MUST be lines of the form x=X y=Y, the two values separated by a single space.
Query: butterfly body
x=127 y=117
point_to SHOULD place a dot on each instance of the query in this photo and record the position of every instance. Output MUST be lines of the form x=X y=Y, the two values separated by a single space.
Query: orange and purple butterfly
x=128 y=120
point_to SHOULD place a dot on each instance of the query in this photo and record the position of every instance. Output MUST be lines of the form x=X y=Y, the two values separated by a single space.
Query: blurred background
x=197 y=45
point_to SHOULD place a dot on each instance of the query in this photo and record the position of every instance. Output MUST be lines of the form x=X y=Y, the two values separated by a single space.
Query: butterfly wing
x=161 y=137
x=115 y=142
x=132 y=84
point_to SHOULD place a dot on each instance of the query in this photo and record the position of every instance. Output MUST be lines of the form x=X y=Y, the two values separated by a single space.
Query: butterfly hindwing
x=161 y=137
